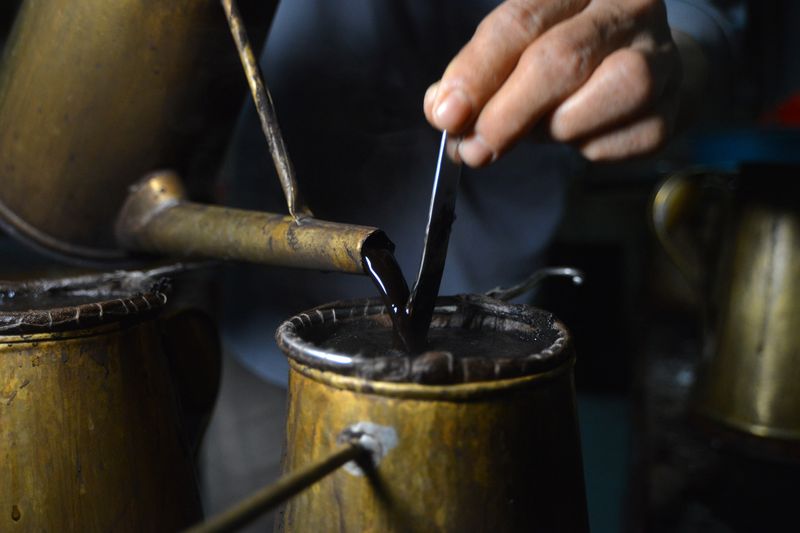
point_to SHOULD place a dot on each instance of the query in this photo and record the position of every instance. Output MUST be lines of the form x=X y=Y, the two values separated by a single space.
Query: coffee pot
x=746 y=269
x=104 y=104
x=104 y=394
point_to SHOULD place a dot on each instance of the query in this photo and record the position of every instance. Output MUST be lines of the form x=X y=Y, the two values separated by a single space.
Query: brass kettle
x=748 y=273
x=103 y=104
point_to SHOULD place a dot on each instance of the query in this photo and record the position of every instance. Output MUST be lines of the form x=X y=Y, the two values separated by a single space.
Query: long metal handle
x=273 y=495
x=266 y=112
x=508 y=293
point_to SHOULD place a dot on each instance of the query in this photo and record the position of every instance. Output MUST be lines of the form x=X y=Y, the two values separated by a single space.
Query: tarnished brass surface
x=94 y=94
x=751 y=383
x=463 y=461
x=483 y=390
x=158 y=219
x=748 y=378
x=89 y=434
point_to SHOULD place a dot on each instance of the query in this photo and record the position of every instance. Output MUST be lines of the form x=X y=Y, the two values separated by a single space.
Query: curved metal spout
x=157 y=218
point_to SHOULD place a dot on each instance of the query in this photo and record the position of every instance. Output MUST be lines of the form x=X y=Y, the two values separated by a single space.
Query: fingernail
x=452 y=149
x=453 y=111
x=475 y=152
x=430 y=95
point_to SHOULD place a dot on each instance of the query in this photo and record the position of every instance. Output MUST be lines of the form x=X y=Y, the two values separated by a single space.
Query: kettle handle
x=675 y=201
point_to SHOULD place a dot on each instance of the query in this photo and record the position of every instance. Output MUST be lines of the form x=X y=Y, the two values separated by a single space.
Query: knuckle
x=568 y=61
x=639 y=8
x=561 y=59
x=521 y=18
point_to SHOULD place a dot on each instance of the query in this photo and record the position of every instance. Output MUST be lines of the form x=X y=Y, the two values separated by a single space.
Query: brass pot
x=103 y=105
x=483 y=443
x=748 y=274
x=90 y=433
x=95 y=95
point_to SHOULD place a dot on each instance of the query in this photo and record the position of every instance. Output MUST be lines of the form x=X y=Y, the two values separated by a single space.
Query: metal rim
x=100 y=299
x=433 y=367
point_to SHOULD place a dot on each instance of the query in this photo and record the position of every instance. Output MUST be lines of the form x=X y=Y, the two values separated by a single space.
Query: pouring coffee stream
x=412 y=311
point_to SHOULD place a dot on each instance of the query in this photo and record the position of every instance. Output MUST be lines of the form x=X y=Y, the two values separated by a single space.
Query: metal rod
x=273 y=495
x=266 y=112
x=441 y=215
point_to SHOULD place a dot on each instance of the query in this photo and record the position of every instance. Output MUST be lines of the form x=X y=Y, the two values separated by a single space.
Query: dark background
x=635 y=311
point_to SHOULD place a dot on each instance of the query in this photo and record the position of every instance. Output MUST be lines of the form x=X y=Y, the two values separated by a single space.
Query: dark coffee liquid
x=382 y=267
x=367 y=341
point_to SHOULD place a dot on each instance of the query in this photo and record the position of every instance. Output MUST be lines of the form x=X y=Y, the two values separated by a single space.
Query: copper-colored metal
x=751 y=382
x=90 y=434
x=458 y=465
x=95 y=95
x=492 y=455
x=158 y=219
x=266 y=112
x=748 y=378
x=273 y=495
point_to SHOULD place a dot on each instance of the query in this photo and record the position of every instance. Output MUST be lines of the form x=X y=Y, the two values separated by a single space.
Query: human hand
x=600 y=74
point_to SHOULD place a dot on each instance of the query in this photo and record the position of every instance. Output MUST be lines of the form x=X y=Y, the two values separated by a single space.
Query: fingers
x=549 y=70
x=485 y=63
x=639 y=137
x=625 y=84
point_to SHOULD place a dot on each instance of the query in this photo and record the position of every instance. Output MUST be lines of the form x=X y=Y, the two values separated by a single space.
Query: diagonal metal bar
x=271 y=496
x=266 y=112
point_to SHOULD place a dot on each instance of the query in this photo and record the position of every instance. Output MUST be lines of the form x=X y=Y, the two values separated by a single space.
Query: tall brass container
x=481 y=443
x=90 y=436
x=747 y=380
x=750 y=381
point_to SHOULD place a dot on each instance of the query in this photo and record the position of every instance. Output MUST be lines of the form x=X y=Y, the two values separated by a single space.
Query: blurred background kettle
x=736 y=237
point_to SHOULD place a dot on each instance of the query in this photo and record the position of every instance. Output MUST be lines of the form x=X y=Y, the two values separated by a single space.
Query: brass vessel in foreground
x=460 y=444
x=90 y=433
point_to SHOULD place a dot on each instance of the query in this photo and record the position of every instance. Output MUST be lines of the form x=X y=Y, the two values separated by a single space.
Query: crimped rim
x=104 y=299
x=432 y=367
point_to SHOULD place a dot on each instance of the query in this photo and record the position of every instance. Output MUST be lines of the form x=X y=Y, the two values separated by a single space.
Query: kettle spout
x=157 y=218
